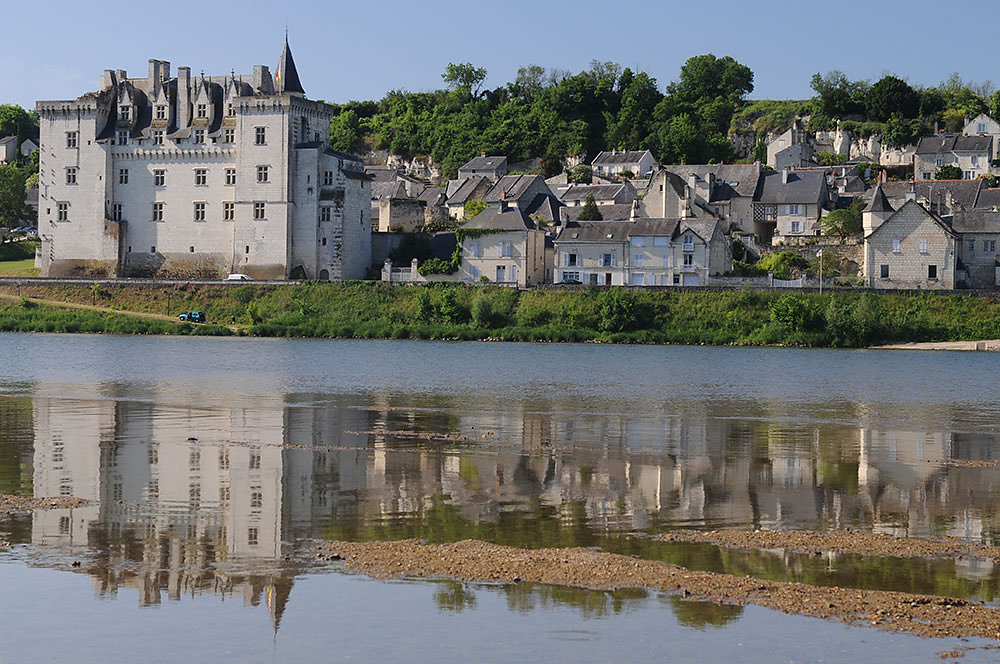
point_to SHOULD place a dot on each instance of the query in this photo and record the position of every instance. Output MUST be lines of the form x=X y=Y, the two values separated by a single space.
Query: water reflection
x=191 y=494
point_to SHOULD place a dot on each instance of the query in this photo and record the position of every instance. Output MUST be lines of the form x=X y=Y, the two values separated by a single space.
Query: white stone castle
x=199 y=177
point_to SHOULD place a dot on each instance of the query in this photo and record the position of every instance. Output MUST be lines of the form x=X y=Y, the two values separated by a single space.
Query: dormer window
x=123 y=138
x=161 y=112
x=125 y=112
x=231 y=110
x=202 y=111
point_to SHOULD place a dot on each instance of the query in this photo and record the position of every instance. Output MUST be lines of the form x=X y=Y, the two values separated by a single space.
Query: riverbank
x=447 y=311
x=476 y=561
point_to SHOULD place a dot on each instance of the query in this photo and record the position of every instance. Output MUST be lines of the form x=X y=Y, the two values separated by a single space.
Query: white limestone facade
x=198 y=177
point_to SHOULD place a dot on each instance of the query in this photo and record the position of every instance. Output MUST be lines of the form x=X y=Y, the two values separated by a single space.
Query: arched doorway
x=324 y=275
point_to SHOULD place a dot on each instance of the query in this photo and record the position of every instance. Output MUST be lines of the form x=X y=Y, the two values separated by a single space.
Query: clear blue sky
x=360 y=50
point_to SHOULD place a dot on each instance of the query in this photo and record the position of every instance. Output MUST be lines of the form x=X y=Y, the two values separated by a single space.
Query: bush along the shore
x=460 y=311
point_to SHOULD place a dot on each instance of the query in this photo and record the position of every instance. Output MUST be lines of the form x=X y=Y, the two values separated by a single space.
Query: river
x=211 y=464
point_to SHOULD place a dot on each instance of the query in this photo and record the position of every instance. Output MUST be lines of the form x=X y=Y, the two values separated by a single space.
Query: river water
x=212 y=465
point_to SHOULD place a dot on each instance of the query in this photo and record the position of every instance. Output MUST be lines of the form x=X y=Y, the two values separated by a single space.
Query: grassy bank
x=375 y=310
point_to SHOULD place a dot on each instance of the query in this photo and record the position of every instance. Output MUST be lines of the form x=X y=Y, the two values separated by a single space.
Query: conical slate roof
x=879 y=202
x=286 y=78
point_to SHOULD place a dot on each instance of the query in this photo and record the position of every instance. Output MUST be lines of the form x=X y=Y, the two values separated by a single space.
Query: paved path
x=988 y=345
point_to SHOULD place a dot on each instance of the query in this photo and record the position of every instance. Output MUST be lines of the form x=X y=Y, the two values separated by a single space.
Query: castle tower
x=286 y=78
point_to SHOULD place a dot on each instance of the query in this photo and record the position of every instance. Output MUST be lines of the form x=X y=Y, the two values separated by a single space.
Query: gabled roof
x=388 y=189
x=600 y=192
x=908 y=205
x=800 y=188
x=483 y=163
x=433 y=195
x=595 y=231
x=7 y=139
x=879 y=202
x=511 y=187
x=964 y=193
x=630 y=157
x=975 y=221
x=382 y=173
x=545 y=207
x=988 y=199
x=463 y=189
x=742 y=178
x=493 y=218
x=618 y=212
x=703 y=228
x=953 y=143
x=286 y=77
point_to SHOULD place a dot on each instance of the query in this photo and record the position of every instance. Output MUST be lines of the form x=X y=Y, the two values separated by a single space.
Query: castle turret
x=286 y=78
x=877 y=212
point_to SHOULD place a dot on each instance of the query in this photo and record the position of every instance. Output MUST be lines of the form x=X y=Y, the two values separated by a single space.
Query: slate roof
x=630 y=157
x=964 y=193
x=289 y=76
x=976 y=221
x=800 y=188
x=388 y=189
x=509 y=220
x=463 y=190
x=935 y=218
x=617 y=212
x=742 y=178
x=988 y=199
x=595 y=231
x=433 y=195
x=485 y=163
x=511 y=187
x=879 y=203
x=7 y=139
x=703 y=228
x=382 y=173
x=600 y=192
x=953 y=143
x=545 y=207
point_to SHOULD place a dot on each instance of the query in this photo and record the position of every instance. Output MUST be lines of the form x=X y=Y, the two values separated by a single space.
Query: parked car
x=236 y=276
x=193 y=316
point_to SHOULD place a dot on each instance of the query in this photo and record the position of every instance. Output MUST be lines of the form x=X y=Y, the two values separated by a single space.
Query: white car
x=237 y=277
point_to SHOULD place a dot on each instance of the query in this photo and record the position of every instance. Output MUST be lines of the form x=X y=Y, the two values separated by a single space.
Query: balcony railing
x=688 y=246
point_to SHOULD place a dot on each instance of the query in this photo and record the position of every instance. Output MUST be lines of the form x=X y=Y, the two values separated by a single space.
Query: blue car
x=193 y=317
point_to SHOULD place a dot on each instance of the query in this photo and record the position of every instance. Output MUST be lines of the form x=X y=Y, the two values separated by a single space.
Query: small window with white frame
x=661 y=241
x=324 y=213
x=990 y=246
x=158 y=211
x=259 y=210
x=796 y=227
x=202 y=110
x=157 y=137
x=897 y=246
x=62 y=211
x=229 y=136
x=231 y=110
x=262 y=174
x=122 y=176
x=71 y=175
x=201 y=177
x=793 y=209
x=506 y=249
x=125 y=112
x=199 y=211
x=923 y=246
x=71 y=139
x=161 y=112
x=116 y=212
x=123 y=138
x=230 y=176
x=327 y=178
x=199 y=135
x=638 y=241
x=228 y=211
x=260 y=136
x=159 y=177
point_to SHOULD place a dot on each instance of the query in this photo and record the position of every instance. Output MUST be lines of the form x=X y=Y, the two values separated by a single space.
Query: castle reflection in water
x=215 y=498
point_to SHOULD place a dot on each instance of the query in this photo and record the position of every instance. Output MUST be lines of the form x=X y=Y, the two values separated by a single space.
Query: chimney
x=935 y=127
x=784 y=174
x=482 y=154
x=183 y=97
x=107 y=79
x=692 y=183
x=911 y=195
x=884 y=177
x=153 y=78
x=949 y=202
x=503 y=200
x=634 y=212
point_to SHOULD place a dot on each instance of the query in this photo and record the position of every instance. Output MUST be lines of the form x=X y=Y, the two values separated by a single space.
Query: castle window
x=230 y=136
x=199 y=211
x=228 y=211
x=199 y=135
x=262 y=174
x=122 y=176
x=71 y=175
x=71 y=139
x=123 y=138
x=324 y=242
x=932 y=271
x=157 y=213
x=258 y=210
x=230 y=176
x=230 y=110
x=252 y=534
x=152 y=249
x=260 y=138
x=324 y=214
x=158 y=137
x=161 y=112
x=201 y=177
x=191 y=249
x=327 y=178
x=125 y=112
x=884 y=271
x=159 y=177
x=202 y=111
x=62 y=211
x=116 y=212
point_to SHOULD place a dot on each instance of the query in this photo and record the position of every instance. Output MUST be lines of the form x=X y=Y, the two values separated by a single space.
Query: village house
x=198 y=177
x=518 y=191
x=790 y=204
x=639 y=163
x=982 y=125
x=459 y=192
x=973 y=155
x=615 y=212
x=909 y=247
x=503 y=246
x=979 y=231
x=669 y=196
x=411 y=186
x=792 y=149
x=9 y=149
x=482 y=166
x=642 y=252
x=727 y=189
x=939 y=196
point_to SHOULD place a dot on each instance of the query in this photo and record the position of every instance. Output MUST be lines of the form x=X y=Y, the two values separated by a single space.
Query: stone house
x=982 y=125
x=482 y=166
x=669 y=196
x=460 y=192
x=908 y=248
x=790 y=204
x=411 y=186
x=611 y=164
x=517 y=191
x=939 y=196
x=619 y=193
x=642 y=252
x=9 y=149
x=979 y=232
x=727 y=189
x=508 y=249
x=198 y=177
x=400 y=215
x=615 y=212
x=972 y=154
